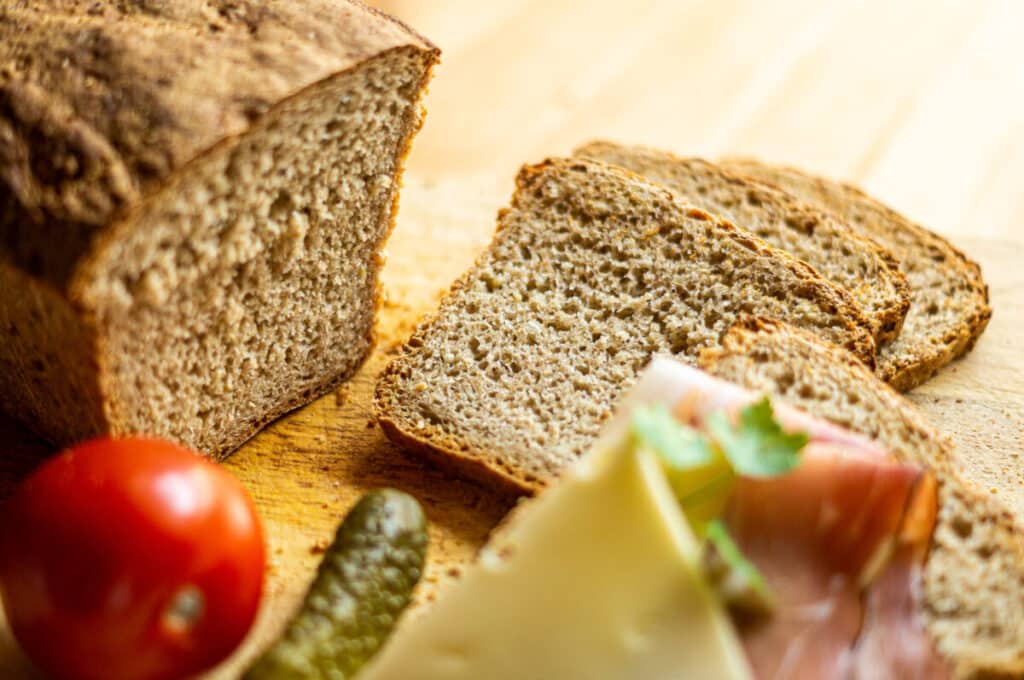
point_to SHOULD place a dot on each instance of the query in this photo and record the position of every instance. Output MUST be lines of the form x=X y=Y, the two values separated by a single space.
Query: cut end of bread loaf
x=244 y=283
x=592 y=272
x=949 y=299
x=817 y=237
x=259 y=292
x=974 y=577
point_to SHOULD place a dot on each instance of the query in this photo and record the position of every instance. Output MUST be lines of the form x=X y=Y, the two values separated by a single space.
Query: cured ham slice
x=840 y=541
x=828 y=540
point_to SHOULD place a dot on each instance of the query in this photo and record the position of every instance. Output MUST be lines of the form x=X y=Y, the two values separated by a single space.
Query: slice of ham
x=840 y=541
x=824 y=537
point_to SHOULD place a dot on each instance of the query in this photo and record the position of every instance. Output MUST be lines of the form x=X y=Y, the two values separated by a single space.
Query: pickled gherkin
x=363 y=584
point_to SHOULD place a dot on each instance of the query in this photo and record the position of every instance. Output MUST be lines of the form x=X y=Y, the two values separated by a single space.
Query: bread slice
x=949 y=299
x=193 y=201
x=974 y=577
x=593 y=271
x=818 y=238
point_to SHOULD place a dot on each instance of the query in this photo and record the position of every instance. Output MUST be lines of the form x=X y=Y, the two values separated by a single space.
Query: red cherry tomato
x=132 y=559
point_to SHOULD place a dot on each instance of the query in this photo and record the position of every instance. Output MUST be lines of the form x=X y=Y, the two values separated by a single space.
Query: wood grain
x=921 y=101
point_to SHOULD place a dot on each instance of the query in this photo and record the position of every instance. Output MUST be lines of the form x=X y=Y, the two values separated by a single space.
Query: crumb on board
x=341 y=395
x=319 y=547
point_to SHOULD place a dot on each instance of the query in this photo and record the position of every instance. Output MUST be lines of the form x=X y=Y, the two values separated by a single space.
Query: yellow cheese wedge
x=596 y=579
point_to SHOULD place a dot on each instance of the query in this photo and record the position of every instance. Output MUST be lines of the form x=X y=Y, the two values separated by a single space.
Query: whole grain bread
x=974 y=578
x=949 y=299
x=815 y=236
x=592 y=271
x=193 y=200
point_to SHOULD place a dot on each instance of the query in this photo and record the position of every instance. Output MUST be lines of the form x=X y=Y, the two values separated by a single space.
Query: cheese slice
x=596 y=579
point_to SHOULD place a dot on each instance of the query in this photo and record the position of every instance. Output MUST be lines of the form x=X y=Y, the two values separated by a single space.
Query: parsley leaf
x=757 y=446
x=700 y=476
x=678 y=446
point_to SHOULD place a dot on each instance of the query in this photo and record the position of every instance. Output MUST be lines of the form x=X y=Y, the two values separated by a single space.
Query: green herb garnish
x=700 y=476
x=757 y=446
x=702 y=468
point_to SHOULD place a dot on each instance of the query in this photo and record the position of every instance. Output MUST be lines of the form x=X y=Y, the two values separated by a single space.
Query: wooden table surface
x=920 y=101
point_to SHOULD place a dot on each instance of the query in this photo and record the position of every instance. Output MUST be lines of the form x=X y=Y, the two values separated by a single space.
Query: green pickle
x=364 y=582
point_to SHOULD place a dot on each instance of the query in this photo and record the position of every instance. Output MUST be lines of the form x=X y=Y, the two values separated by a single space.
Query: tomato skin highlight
x=103 y=544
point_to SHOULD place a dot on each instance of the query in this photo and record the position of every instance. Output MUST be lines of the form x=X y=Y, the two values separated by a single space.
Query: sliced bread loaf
x=193 y=200
x=592 y=271
x=974 y=578
x=817 y=237
x=949 y=300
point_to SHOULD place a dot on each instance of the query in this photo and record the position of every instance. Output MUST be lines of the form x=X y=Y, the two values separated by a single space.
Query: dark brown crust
x=102 y=103
x=886 y=321
x=892 y=324
x=905 y=373
x=742 y=336
x=467 y=464
x=460 y=456
x=904 y=376
x=889 y=322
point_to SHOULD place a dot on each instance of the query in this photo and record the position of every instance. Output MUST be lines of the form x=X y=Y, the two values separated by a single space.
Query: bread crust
x=100 y=91
x=907 y=372
x=447 y=454
x=861 y=342
x=910 y=360
x=884 y=300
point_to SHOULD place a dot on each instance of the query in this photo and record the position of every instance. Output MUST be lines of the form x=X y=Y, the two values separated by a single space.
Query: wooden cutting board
x=931 y=118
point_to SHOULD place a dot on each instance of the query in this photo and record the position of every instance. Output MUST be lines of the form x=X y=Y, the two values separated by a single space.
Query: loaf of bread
x=949 y=307
x=974 y=577
x=193 y=200
x=817 y=237
x=593 y=271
